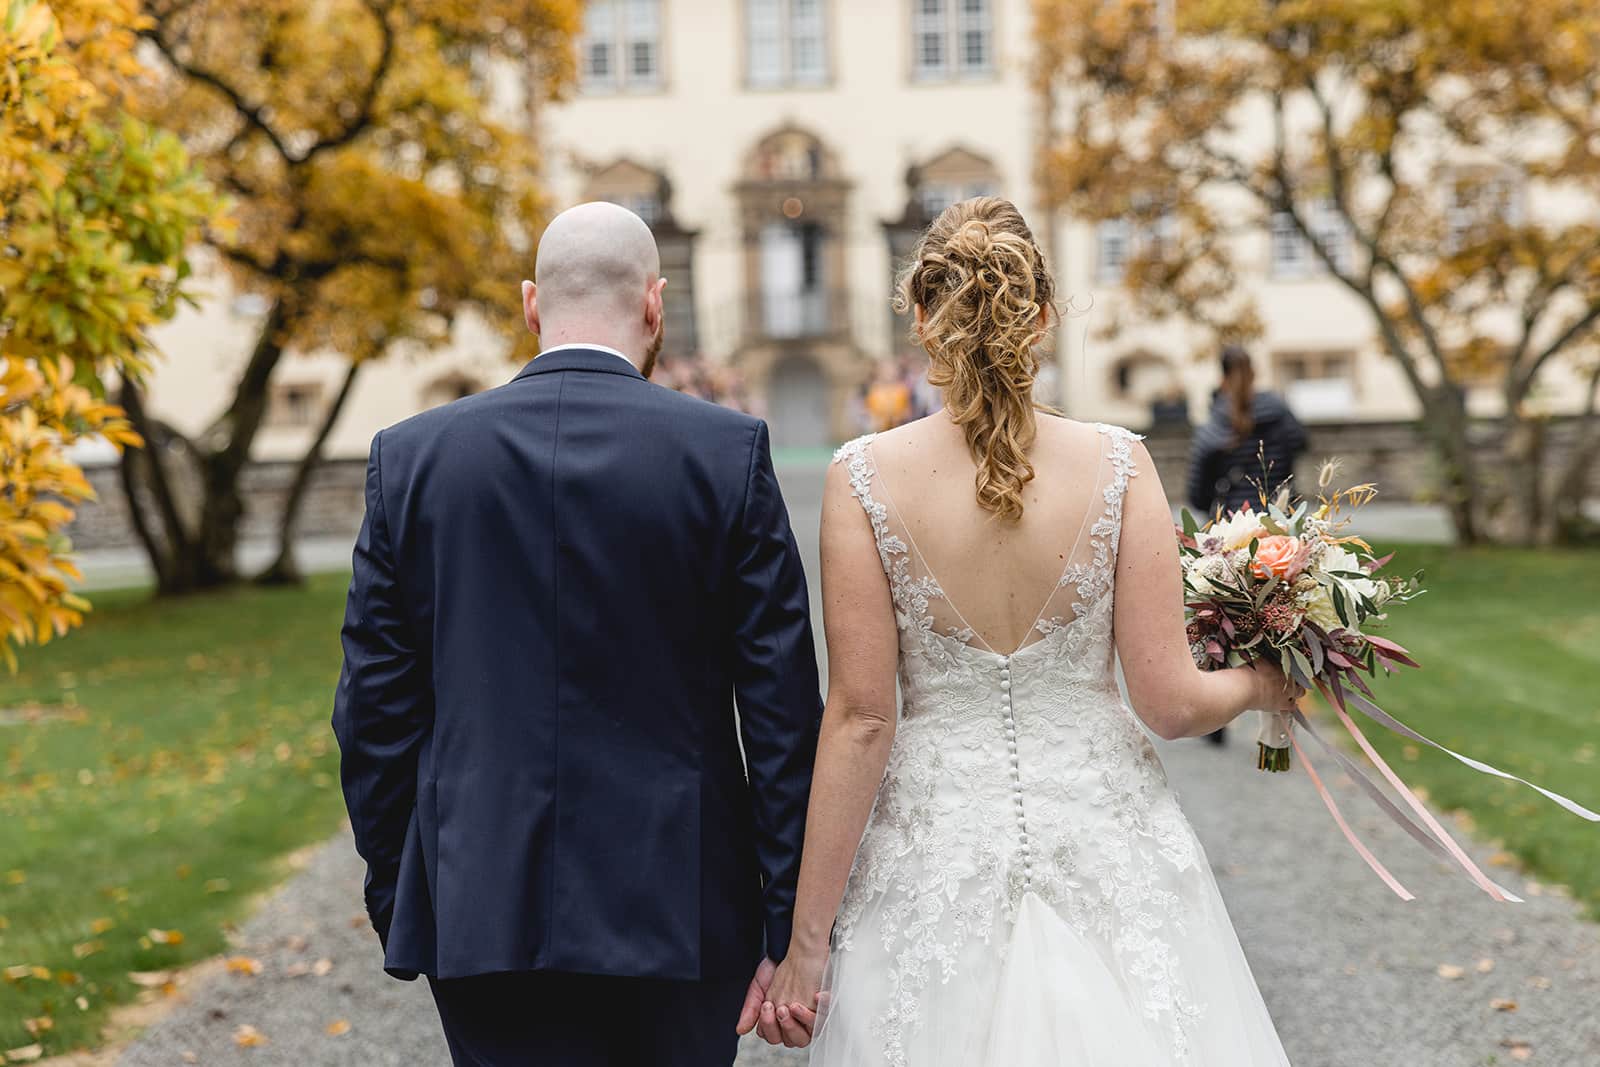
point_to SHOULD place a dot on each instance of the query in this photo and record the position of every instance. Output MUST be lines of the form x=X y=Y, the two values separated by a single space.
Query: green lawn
x=1509 y=640
x=189 y=752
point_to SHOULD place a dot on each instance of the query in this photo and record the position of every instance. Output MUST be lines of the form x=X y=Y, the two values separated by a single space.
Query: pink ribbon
x=1350 y=835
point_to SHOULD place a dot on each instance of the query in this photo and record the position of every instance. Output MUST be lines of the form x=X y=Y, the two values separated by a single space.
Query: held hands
x=1277 y=691
x=783 y=1001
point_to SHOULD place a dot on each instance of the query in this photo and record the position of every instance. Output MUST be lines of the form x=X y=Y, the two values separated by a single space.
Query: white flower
x=1207 y=573
x=1320 y=610
x=1234 y=532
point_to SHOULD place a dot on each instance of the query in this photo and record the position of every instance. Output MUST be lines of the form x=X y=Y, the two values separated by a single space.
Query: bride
x=999 y=875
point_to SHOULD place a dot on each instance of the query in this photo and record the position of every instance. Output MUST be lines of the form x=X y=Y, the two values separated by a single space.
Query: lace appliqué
x=940 y=868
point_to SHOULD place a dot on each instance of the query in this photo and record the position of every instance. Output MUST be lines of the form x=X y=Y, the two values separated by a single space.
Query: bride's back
x=1000 y=577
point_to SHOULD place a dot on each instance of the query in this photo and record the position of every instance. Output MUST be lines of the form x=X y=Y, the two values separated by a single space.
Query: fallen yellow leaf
x=87 y=948
x=166 y=937
x=100 y=926
x=1503 y=1004
x=1485 y=965
x=150 y=979
x=1450 y=972
x=42 y=1024
x=338 y=1028
x=249 y=1037
x=1519 y=1049
x=322 y=967
x=244 y=965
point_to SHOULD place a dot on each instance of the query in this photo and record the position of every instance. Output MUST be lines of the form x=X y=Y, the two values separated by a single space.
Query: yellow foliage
x=379 y=185
x=1419 y=123
x=96 y=210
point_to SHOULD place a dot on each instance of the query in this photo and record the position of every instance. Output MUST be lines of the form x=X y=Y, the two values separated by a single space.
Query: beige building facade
x=787 y=153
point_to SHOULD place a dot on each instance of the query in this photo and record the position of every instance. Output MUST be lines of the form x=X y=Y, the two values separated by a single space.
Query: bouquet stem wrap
x=1274 y=740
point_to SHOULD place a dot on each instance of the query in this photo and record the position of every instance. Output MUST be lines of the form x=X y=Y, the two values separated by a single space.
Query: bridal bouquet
x=1289 y=583
x=1286 y=583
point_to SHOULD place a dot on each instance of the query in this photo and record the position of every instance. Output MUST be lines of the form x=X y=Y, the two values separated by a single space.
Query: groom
x=561 y=589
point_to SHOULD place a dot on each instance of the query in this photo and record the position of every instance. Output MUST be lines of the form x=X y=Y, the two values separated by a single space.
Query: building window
x=1293 y=255
x=448 y=389
x=1118 y=241
x=786 y=43
x=294 y=404
x=1480 y=203
x=621 y=46
x=935 y=196
x=951 y=38
x=1114 y=245
x=1317 y=384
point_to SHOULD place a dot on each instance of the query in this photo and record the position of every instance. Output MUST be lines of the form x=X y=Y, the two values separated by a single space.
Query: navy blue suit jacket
x=561 y=588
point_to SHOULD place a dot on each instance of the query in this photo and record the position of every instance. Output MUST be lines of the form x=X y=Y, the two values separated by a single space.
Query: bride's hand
x=1277 y=692
x=789 y=1015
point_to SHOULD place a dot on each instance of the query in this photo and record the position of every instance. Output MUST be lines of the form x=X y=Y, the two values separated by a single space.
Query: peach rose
x=1278 y=557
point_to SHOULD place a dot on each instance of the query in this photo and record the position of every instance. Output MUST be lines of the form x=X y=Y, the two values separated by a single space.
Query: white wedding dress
x=1027 y=892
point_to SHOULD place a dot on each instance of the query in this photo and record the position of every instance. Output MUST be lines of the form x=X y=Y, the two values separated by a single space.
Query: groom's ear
x=530 y=307
x=655 y=304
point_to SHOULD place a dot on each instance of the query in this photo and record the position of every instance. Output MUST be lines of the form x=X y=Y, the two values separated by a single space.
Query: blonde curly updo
x=987 y=297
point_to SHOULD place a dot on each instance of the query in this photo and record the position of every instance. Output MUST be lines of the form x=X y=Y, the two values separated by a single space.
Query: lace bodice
x=1016 y=773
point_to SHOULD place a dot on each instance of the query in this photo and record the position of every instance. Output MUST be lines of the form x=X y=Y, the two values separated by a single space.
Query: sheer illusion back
x=992 y=584
x=1027 y=891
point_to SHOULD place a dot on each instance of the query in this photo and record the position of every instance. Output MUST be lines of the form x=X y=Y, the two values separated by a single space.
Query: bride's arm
x=857 y=731
x=1173 y=696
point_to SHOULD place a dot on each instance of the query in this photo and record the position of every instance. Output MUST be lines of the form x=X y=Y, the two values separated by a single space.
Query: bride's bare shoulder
x=1058 y=432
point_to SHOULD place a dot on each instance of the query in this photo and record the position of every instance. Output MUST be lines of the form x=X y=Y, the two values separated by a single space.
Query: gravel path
x=1352 y=975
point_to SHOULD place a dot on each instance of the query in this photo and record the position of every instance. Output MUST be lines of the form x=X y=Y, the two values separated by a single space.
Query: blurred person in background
x=1246 y=448
x=888 y=398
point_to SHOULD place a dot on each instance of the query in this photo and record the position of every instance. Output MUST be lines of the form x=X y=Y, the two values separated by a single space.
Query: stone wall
x=1392 y=454
x=333 y=506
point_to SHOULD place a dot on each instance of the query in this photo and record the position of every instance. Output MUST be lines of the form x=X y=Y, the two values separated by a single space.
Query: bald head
x=598 y=282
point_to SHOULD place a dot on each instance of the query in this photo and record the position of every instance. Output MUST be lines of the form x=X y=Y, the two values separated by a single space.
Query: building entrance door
x=798 y=404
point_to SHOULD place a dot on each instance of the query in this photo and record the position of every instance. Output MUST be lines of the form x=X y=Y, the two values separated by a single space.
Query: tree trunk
x=147 y=483
x=200 y=553
x=285 y=570
x=1445 y=423
x=1523 y=452
x=1568 y=522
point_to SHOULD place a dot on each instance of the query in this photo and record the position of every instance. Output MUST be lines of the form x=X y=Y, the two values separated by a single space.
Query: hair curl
x=986 y=295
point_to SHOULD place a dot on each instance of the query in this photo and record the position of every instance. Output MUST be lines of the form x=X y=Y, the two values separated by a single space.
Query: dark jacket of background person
x=560 y=589
x=1225 y=468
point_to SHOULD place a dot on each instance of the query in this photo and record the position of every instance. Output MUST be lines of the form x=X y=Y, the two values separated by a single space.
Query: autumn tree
x=1440 y=160
x=96 y=211
x=384 y=183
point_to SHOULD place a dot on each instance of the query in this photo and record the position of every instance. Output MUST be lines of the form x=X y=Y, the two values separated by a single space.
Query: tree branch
x=364 y=115
x=251 y=114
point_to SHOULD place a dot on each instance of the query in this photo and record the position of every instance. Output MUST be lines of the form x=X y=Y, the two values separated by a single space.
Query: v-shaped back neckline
x=1030 y=634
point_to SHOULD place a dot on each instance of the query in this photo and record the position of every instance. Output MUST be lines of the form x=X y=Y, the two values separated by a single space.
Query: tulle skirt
x=1040 y=992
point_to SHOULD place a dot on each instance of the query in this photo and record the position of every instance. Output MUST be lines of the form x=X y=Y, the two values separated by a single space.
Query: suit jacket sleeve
x=775 y=682
x=383 y=707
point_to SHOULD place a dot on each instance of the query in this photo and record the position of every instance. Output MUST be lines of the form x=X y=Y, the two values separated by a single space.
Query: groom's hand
x=756 y=996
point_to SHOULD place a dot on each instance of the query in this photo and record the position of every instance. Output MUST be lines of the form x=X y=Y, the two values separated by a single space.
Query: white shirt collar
x=591 y=347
